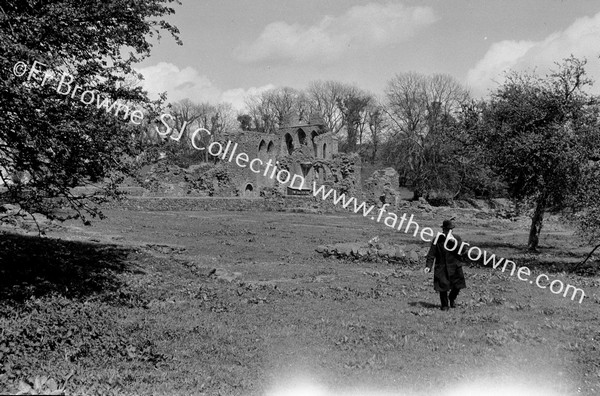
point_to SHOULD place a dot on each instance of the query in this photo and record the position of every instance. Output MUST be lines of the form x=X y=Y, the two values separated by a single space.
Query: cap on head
x=448 y=224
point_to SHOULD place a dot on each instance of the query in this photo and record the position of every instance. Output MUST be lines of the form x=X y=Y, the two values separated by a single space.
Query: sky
x=232 y=49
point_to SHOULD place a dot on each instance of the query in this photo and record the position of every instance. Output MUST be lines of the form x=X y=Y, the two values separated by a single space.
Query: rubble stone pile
x=13 y=218
x=377 y=252
x=382 y=186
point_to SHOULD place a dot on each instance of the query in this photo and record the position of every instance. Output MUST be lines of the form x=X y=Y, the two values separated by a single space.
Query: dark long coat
x=448 y=273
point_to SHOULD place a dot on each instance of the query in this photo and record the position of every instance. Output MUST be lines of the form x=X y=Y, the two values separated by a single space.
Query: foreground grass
x=155 y=318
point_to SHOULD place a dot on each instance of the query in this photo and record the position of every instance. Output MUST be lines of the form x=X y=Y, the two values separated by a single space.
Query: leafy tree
x=586 y=203
x=466 y=156
x=56 y=139
x=354 y=105
x=245 y=121
x=536 y=132
x=377 y=124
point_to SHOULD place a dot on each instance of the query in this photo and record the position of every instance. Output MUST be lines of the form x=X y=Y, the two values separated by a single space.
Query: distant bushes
x=440 y=199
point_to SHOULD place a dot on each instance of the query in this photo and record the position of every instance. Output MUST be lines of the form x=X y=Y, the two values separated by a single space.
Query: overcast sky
x=232 y=48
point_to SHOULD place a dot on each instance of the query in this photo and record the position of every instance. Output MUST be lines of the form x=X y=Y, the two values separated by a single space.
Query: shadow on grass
x=32 y=266
x=518 y=247
x=546 y=261
x=423 y=304
x=491 y=245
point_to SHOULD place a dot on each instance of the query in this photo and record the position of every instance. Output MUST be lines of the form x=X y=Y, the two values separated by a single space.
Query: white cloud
x=189 y=83
x=580 y=39
x=359 y=27
x=178 y=83
x=237 y=96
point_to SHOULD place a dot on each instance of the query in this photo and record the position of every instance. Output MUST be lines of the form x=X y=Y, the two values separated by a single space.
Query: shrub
x=440 y=199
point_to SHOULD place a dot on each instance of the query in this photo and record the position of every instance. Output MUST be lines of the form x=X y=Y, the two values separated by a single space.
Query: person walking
x=448 y=275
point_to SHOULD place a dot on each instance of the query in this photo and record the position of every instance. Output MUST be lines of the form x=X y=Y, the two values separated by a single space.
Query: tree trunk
x=374 y=155
x=351 y=139
x=588 y=256
x=416 y=195
x=536 y=226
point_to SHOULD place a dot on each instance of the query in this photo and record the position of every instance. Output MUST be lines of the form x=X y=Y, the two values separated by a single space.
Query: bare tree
x=324 y=97
x=183 y=119
x=262 y=118
x=217 y=119
x=274 y=108
x=420 y=110
x=185 y=111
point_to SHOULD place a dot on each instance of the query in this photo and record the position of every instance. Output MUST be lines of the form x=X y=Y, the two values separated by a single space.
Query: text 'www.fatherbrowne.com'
x=404 y=223
x=64 y=86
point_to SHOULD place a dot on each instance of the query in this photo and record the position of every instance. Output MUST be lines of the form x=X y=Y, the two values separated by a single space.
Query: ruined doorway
x=249 y=190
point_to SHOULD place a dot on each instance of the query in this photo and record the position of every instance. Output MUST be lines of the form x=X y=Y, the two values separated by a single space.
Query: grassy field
x=238 y=303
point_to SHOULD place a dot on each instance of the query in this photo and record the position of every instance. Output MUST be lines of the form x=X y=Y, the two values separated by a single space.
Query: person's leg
x=453 y=295
x=444 y=299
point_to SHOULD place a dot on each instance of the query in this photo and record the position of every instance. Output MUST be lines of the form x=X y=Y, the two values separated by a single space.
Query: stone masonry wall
x=290 y=204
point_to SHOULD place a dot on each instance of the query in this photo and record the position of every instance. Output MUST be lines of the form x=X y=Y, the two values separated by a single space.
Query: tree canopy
x=53 y=138
x=535 y=134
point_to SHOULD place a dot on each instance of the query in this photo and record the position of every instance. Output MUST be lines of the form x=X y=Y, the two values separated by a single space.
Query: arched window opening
x=301 y=137
x=313 y=135
x=270 y=147
x=262 y=150
x=289 y=143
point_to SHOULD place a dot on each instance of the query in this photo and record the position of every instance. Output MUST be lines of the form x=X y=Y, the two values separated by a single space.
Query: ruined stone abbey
x=304 y=148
